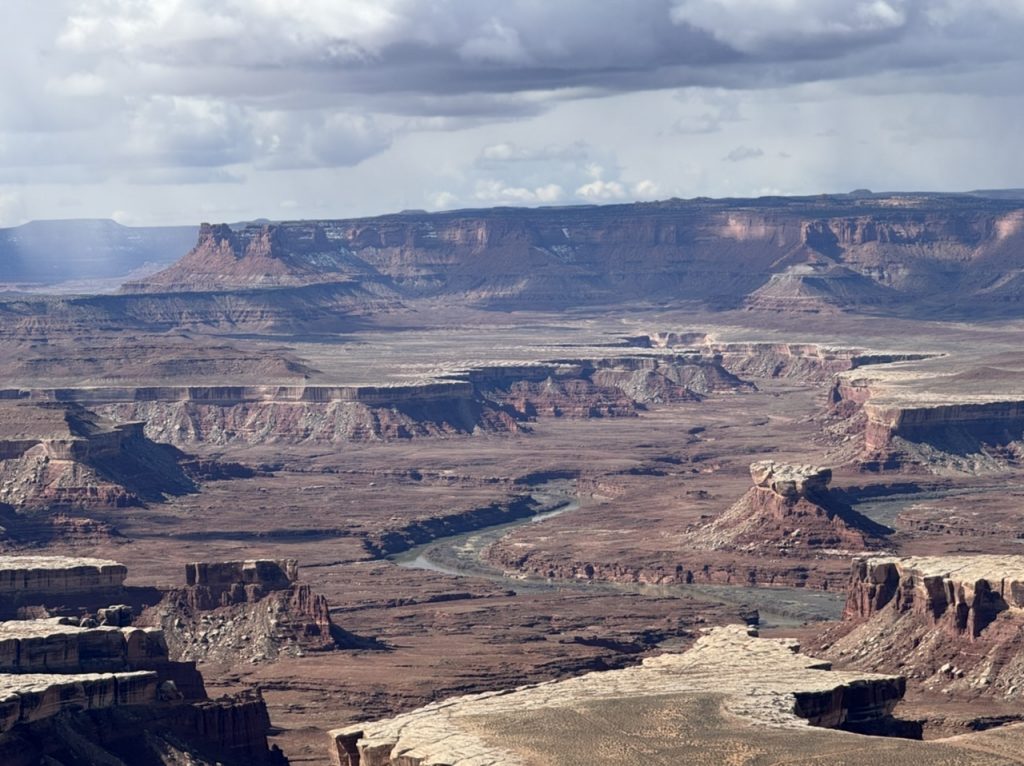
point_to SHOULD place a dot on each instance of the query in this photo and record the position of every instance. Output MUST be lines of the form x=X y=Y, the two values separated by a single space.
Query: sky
x=180 y=111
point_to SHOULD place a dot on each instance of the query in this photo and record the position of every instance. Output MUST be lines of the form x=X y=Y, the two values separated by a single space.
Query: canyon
x=540 y=468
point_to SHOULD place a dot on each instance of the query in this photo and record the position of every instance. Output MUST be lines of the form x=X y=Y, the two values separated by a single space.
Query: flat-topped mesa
x=967 y=427
x=813 y=362
x=764 y=686
x=789 y=254
x=496 y=398
x=609 y=387
x=790 y=508
x=933 y=415
x=963 y=595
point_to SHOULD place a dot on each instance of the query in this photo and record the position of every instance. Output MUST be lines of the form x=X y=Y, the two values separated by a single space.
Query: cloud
x=495 y=43
x=601 y=191
x=646 y=189
x=121 y=94
x=772 y=28
x=493 y=191
x=443 y=200
x=742 y=153
x=317 y=140
x=507 y=151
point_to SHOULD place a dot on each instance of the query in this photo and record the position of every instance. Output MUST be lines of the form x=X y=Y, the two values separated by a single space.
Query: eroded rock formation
x=931 y=418
x=246 y=610
x=35 y=583
x=814 y=362
x=789 y=508
x=950 y=622
x=57 y=456
x=767 y=537
x=491 y=399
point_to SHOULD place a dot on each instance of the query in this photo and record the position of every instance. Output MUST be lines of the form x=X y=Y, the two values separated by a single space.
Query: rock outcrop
x=491 y=399
x=765 y=683
x=818 y=288
x=813 y=362
x=789 y=508
x=253 y=610
x=261 y=256
x=950 y=622
x=611 y=387
x=60 y=456
x=33 y=697
x=931 y=418
x=768 y=537
x=107 y=692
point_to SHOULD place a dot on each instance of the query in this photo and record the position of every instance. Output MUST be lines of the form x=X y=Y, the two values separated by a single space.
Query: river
x=461 y=556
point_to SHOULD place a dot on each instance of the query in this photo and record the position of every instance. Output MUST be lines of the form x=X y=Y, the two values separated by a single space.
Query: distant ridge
x=926 y=254
x=41 y=253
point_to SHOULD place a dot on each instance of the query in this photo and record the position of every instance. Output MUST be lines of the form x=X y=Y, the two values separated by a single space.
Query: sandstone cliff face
x=961 y=596
x=995 y=423
x=813 y=362
x=262 y=256
x=604 y=387
x=785 y=254
x=951 y=622
x=483 y=399
x=930 y=430
x=27 y=582
x=268 y=422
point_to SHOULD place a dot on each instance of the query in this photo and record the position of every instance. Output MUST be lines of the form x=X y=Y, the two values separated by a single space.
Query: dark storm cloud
x=384 y=50
x=262 y=60
x=154 y=89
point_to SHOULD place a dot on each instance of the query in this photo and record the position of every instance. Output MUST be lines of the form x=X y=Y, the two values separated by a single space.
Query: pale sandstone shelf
x=25 y=698
x=54 y=646
x=58 y=575
x=764 y=682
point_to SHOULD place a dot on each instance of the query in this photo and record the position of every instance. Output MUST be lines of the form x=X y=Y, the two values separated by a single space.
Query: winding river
x=461 y=556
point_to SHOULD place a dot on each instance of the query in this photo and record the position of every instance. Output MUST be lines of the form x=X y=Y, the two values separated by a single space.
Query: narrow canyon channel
x=461 y=555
